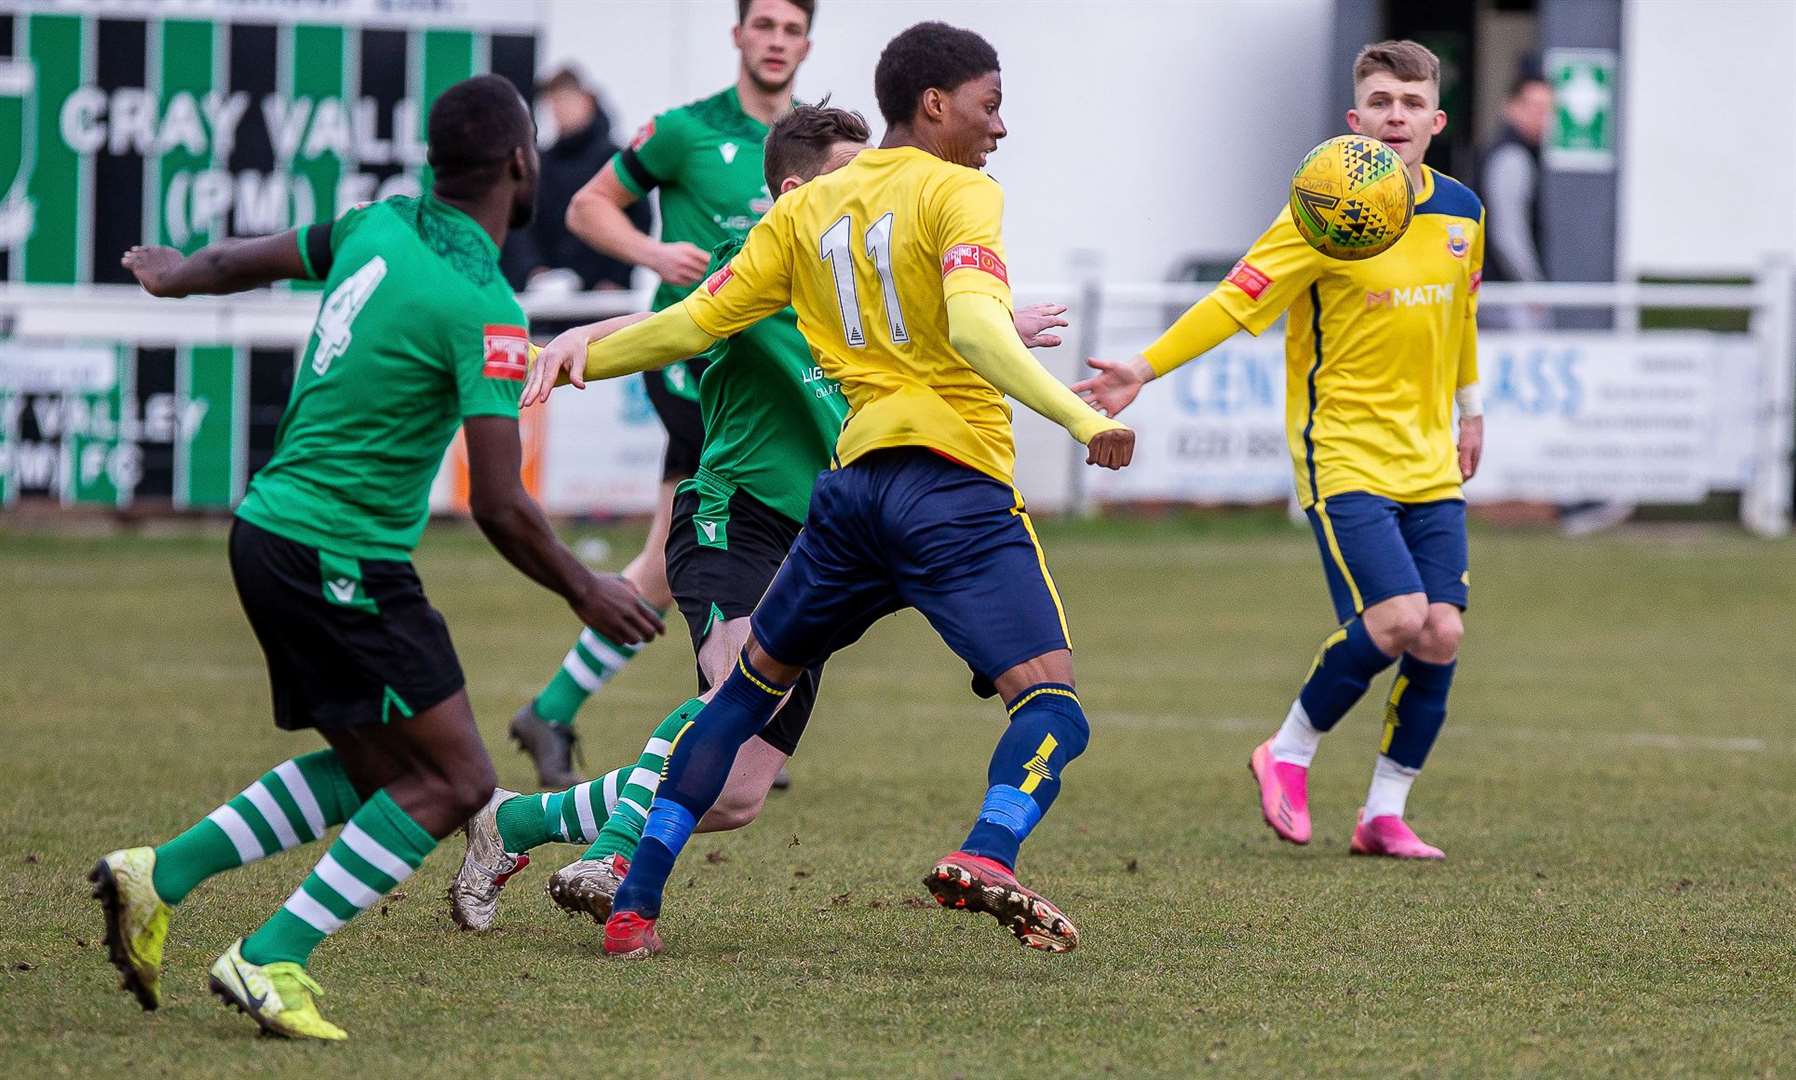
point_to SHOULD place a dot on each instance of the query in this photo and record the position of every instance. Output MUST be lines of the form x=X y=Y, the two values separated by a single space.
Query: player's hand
x=680 y=264
x=611 y=606
x=152 y=267
x=1471 y=445
x=565 y=356
x=1033 y=322
x=1111 y=449
x=1115 y=384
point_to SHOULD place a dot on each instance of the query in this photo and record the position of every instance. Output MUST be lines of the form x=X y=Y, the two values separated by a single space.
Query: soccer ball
x=1351 y=197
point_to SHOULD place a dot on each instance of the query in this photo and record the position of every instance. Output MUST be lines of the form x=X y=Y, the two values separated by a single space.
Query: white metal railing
x=1105 y=314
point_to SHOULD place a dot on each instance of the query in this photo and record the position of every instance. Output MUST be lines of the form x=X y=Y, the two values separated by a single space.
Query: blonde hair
x=1407 y=60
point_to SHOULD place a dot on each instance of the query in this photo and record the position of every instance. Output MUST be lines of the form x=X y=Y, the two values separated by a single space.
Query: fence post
x=1088 y=267
x=1765 y=505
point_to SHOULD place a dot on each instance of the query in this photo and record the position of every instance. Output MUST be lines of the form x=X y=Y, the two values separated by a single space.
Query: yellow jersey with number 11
x=868 y=256
x=1373 y=349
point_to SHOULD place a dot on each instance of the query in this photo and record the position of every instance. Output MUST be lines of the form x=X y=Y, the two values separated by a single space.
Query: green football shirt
x=771 y=417
x=418 y=330
x=705 y=158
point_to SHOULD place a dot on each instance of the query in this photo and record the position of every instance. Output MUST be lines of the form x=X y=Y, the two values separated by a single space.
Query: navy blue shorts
x=1374 y=548
x=909 y=528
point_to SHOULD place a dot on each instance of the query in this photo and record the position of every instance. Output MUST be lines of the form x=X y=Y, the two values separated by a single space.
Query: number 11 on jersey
x=834 y=250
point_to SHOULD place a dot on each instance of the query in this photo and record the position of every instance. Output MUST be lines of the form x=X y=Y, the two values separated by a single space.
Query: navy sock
x=1340 y=675
x=1416 y=710
x=697 y=768
x=1047 y=730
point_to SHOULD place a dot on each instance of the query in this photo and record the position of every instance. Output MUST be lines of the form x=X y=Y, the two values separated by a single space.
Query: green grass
x=1613 y=790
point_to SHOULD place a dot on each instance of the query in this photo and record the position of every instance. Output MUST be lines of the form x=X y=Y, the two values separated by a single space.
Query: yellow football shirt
x=1374 y=349
x=867 y=256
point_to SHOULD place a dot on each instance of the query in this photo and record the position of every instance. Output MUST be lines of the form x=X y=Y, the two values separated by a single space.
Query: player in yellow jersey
x=895 y=266
x=1376 y=353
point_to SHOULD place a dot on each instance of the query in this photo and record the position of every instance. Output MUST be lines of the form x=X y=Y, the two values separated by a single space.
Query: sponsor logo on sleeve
x=507 y=352
x=719 y=280
x=643 y=134
x=1477 y=280
x=1249 y=279
x=974 y=257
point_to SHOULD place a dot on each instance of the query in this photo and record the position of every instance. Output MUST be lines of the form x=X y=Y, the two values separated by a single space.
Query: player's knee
x=733 y=810
x=777 y=670
x=1438 y=643
x=1397 y=623
x=468 y=786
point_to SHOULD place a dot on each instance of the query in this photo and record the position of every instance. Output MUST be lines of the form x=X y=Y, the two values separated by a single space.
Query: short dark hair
x=1523 y=81
x=1407 y=60
x=474 y=126
x=799 y=142
x=809 y=7
x=929 y=54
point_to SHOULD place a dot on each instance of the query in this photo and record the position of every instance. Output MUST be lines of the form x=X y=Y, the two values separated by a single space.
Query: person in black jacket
x=582 y=147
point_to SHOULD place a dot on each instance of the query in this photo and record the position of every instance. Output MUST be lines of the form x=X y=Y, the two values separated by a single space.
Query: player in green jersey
x=704 y=161
x=771 y=424
x=320 y=553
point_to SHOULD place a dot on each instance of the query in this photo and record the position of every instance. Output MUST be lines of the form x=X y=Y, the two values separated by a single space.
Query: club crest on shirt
x=1457 y=243
x=507 y=352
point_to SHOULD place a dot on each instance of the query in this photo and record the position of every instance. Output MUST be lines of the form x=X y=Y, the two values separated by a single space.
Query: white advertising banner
x=1570 y=417
x=602 y=450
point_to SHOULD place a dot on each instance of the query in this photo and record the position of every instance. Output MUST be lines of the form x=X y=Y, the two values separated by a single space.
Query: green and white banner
x=178 y=122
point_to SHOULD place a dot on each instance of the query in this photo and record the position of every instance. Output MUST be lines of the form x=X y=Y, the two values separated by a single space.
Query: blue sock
x=1416 y=710
x=1047 y=730
x=697 y=767
x=1340 y=675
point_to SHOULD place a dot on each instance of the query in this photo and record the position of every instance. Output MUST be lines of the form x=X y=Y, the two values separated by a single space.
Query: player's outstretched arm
x=227 y=266
x=640 y=344
x=515 y=525
x=979 y=330
x=1202 y=328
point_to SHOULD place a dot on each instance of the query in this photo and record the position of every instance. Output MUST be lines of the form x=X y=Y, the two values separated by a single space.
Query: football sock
x=575 y=815
x=378 y=848
x=292 y=804
x=1339 y=677
x=593 y=661
x=1047 y=730
x=1390 y=788
x=698 y=765
x=1416 y=710
x=1297 y=738
x=623 y=829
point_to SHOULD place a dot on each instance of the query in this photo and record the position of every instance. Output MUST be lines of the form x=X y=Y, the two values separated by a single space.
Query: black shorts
x=348 y=641
x=681 y=417
x=722 y=551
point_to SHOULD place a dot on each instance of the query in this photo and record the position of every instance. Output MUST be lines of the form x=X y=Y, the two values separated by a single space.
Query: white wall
x=1709 y=130
x=1147 y=130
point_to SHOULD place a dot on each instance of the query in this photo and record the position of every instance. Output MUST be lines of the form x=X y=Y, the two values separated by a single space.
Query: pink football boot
x=1284 y=794
x=1390 y=835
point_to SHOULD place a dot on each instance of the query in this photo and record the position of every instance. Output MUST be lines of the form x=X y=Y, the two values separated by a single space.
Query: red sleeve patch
x=1249 y=280
x=507 y=352
x=719 y=279
x=643 y=134
x=974 y=257
x=1477 y=280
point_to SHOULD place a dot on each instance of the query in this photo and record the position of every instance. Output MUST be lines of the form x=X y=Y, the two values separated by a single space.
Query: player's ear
x=520 y=165
x=1353 y=121
x=789 y=183
x=933 y=104
x=736 y=36
x=1440 y=123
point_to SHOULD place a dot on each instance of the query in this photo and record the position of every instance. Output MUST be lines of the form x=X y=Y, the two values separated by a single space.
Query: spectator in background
x=582 y=146
x=1509 y=181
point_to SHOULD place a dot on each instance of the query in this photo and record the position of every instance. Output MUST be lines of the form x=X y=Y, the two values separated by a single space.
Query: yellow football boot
x=136 y=920
x=280 y=997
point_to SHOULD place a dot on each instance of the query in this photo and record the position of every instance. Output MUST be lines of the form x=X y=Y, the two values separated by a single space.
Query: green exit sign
x=1582 y=134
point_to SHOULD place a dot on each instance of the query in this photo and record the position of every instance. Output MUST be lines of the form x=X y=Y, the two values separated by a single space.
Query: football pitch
x=1613 y=790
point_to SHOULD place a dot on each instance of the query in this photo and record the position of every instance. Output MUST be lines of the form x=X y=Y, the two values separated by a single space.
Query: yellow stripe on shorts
x=1334 y=549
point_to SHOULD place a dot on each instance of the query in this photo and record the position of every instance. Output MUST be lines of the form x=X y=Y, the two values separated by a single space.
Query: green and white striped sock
x=378 y=848
x=593 y=661
x=623 y=829
x=530 y=821
x=292 y=804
